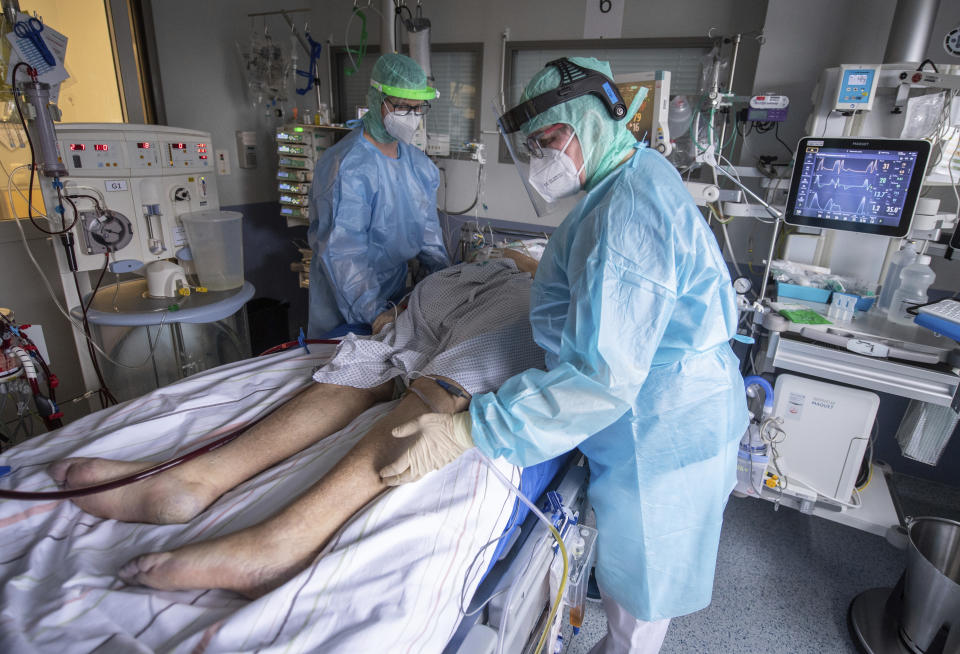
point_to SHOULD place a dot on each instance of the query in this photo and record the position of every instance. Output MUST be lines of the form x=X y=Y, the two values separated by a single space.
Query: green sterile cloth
x=804 y=317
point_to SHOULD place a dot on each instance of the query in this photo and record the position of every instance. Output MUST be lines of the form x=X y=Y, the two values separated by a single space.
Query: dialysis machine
x=145 y=176
x=130 y=185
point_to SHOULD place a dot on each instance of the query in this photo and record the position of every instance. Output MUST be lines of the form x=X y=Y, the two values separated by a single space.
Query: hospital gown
x=469 y=323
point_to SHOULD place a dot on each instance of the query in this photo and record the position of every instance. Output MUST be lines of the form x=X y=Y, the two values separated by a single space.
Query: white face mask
x=554 y=175
x=400 y=127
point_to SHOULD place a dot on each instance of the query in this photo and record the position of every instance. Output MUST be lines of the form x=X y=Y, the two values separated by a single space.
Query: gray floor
x=784 y=580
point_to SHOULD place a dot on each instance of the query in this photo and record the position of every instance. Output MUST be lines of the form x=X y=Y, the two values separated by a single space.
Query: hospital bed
x=397 y=572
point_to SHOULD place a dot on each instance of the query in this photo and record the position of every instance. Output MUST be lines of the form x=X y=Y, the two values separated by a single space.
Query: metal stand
x=874 y=619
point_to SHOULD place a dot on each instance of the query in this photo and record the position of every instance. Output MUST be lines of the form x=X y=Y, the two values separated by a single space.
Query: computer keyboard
x=942 y=317
x=944 y=309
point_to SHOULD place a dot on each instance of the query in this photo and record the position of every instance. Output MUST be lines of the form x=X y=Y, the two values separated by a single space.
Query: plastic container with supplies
x=915 y=279
x=216 y=242
x=809 y=293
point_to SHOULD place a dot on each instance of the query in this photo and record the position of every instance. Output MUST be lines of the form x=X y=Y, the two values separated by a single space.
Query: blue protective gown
x=633 y=304
x=369 y=214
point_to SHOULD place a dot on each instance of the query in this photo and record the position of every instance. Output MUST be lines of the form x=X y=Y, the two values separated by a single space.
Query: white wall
x=203 y=88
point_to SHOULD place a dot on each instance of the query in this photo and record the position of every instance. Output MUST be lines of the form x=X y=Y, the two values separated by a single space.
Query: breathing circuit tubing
x=149 y=472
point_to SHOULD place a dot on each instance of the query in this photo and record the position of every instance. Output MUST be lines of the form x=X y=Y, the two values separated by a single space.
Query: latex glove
x=439 y=439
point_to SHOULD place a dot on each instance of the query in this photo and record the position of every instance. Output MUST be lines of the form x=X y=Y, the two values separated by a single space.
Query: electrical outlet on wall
x=223 y=162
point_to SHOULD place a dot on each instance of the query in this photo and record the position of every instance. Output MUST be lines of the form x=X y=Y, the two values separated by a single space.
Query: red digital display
x=101 y=147
x=203 y=156
x=74 y=147
x=143 y=146
x=178 y=146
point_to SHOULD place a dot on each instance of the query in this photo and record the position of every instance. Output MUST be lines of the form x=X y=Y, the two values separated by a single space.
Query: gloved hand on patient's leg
x=438 y=439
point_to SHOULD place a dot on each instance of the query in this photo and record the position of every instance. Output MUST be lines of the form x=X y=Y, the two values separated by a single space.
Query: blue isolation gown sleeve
x=433 y=256
x=346 y=258
x=600 y=314
x=433 y=252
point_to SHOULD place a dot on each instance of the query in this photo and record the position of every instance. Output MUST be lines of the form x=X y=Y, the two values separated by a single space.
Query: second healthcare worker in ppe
x=373 y=204
x=633 y=305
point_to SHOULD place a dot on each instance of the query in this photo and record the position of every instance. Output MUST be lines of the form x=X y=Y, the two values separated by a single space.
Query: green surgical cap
x=402 y=77
x=604 y=141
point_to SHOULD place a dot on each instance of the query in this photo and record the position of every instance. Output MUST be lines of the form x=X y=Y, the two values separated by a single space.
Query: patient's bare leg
x=179 y=494
x=255 y=560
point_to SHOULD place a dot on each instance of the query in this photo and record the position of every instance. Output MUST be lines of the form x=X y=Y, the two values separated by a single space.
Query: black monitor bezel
x=922 y=148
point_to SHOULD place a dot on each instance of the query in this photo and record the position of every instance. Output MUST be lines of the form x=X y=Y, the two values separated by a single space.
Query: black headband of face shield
x=574 y=81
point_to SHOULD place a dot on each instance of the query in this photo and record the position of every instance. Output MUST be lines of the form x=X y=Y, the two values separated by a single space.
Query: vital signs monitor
x=857 y=184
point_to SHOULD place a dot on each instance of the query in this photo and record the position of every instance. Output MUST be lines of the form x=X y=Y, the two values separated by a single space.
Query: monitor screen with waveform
x=855 y=184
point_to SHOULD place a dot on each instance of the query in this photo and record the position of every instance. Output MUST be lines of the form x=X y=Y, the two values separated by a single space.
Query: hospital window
x=91 y=94
x=456 y=71
x=681 y=56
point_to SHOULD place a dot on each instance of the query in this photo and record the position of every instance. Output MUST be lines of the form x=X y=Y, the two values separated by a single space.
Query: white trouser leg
x=626 y=634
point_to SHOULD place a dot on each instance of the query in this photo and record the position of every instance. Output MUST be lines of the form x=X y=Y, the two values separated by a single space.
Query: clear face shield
x=543 y=163
x=546 y=170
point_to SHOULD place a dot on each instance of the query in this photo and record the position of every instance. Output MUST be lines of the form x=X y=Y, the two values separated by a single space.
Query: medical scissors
x=30 y=29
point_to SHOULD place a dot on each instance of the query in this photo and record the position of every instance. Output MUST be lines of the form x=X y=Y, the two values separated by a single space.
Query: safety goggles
x=403 y=109
x=553 y=137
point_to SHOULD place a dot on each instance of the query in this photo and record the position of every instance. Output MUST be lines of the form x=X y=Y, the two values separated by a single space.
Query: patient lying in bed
x=467 y=325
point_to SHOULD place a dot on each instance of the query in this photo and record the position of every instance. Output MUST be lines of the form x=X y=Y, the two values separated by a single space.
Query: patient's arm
x=179 y=494
x=524 y=263
x=387 y=317
x=255 y=560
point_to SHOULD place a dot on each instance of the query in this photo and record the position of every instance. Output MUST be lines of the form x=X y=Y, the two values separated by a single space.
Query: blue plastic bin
x=808 y=293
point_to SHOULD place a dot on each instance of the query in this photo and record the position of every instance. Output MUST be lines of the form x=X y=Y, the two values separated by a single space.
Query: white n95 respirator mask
x=400 y=127
x=554 y=175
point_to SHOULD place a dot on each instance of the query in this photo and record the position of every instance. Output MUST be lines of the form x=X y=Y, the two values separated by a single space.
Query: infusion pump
x=142 y=177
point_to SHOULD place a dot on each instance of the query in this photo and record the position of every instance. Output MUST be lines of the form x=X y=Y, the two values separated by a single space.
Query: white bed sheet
x=390 y=580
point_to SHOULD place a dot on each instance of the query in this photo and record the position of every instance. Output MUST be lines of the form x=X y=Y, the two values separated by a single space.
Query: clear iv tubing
x=563 y=553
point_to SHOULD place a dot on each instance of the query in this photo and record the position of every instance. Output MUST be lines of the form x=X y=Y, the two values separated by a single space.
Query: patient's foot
x=166 y=498
x=251 y=562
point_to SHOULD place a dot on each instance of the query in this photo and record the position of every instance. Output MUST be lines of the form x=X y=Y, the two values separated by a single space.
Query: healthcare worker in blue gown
x=373 y=204
x=632 y=303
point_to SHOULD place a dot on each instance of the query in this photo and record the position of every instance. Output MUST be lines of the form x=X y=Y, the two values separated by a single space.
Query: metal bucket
x=931 y=585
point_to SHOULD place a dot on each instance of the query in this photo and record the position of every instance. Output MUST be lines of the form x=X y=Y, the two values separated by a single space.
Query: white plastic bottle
x=903 y=258
x=915 y=279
